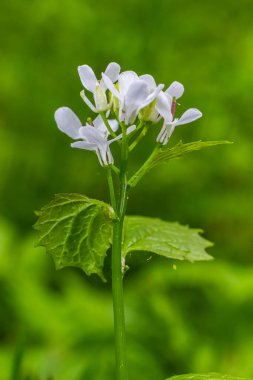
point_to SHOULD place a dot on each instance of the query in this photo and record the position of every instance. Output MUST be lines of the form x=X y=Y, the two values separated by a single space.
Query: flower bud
x=100 y=99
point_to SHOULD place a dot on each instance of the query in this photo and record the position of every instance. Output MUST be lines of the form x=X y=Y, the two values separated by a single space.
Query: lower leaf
x=76 y=231
x=164 y=238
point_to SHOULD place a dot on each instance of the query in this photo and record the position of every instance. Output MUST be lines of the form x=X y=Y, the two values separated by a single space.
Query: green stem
x=111 y=188
x=113 y=134
x=144 y=168
x=139 y=126
x=115 y=169
x=117 y=275
x=139 y=138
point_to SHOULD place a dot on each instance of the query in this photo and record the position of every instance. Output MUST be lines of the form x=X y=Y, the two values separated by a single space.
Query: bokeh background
x=58 y=325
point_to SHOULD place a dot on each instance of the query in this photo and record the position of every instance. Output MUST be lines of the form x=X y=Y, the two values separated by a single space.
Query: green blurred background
x=197 y=318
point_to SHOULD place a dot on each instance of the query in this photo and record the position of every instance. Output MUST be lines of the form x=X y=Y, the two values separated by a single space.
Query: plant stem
x=139 y=138
x=117 y=275
x=144 y=168
x=111 y=189
x=107 y=124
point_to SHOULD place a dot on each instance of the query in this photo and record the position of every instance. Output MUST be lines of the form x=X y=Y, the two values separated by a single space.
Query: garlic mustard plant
x=79 y=231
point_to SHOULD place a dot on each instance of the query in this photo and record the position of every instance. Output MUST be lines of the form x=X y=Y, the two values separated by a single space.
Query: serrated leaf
x=76 y=231
x=171 y=240
x=163 y=154
x=207 y=376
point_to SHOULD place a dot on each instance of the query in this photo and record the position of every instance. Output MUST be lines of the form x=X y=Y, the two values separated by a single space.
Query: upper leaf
x=164 y=238
x=205 y=376
x=76 y=231
x=163 y=154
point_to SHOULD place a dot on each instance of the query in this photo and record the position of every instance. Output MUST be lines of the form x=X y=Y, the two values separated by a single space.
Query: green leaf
x=162 y=154
x=207 y=376
x=164 y=238
x=76 y=231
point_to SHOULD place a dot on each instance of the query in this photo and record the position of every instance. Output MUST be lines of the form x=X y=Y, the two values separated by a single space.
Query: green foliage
x=207 y=376
x=76 y=231
x=167 y=239
x=163 y=154
x=175 y=317
x=185 y=308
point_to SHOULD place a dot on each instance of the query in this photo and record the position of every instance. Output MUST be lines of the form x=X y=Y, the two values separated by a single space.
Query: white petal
x=99 y=157
x=165 y=133
x=113 y=124
x=67 y=122
x=105 y=154
x=83 y=145
x=109 y=157
x=88 y=78
x=161 y=138
x=138 y=92
x=88 y=102
x=129 y=130
x=99 y=124
x=92 y=135
x=135 y=97
x=112 y=71
x=175 y=90
x=149 y=80
x=163 y=106
x=170 y=129
x=125 y=80
x=111 y=86
x=188 y=116
x=151 y=97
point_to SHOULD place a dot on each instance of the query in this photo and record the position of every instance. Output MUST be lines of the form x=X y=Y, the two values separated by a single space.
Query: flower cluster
x=130 y=100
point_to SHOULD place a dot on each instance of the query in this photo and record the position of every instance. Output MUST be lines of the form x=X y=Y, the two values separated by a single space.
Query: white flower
x=132 y=93
x=92 y=137
x=166 y=107
x=97 y=88
x=161 y=107
x=165 y=102
x=169 y=124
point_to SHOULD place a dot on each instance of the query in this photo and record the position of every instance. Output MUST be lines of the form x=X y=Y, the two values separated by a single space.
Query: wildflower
x=165 y=101
x=97 y=88
x=169 y=124
x=92 y=137
x=133 y=94
x=161 y=106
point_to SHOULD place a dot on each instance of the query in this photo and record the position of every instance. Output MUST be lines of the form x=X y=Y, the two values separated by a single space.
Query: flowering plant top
x=122 y=99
